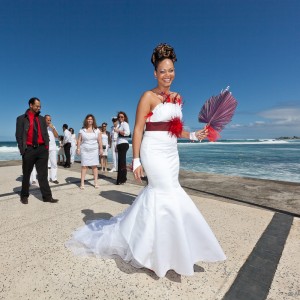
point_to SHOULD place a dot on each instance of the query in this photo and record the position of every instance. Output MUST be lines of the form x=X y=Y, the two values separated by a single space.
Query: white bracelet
x=136 y=162
x=193 y=136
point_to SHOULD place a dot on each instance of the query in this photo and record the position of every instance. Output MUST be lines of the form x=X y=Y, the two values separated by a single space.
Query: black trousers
x=67 y=148
x=38 y=157
x=122 y=168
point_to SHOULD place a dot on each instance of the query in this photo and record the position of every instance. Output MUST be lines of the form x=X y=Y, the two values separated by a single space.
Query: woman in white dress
x=162 y=229
x=61 y=151
x=114 y=137
x=73 y=145
x=89 y=147
x=105 y=144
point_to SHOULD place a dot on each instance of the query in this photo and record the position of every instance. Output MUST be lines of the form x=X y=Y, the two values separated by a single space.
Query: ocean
x=264 y=159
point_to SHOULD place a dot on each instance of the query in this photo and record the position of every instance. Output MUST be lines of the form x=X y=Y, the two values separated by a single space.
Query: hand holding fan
x=217 y=111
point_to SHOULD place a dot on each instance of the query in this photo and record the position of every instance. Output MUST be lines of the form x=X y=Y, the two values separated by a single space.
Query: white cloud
x=282 y=116
x=259 y=123
x=252 y=124
x=276 y=117
x=236 y=125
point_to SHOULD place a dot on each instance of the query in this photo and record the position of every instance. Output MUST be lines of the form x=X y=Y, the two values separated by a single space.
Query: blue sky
x=87 y=56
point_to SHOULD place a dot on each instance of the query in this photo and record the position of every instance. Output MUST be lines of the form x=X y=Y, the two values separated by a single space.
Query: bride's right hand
x=201 y=134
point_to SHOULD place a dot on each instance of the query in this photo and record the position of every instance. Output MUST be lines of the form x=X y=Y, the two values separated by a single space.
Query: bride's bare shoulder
x=148 y=96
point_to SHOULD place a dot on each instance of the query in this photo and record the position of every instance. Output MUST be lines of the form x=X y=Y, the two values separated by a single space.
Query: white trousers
x=33 y=175
x=52 y=164
x=73 y=152
x=114 y=155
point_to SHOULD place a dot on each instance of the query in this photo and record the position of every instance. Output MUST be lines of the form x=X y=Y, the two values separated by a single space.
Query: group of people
x=93 y=141
x=162 y=229
x=92 y=145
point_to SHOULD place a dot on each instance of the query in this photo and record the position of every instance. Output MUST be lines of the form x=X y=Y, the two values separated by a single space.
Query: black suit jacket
x=22 y=130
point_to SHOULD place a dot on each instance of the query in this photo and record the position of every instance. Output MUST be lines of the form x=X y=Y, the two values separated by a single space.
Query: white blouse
x=124 y=126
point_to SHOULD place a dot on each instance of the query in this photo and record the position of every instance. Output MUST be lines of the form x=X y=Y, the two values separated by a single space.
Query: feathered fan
x=217 y=111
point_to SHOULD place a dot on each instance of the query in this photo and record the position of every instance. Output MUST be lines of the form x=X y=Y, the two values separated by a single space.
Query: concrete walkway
x=34 y=263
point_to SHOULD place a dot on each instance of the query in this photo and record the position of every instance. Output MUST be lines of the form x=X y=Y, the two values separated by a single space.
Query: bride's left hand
x=201 y=134
x=138 y=174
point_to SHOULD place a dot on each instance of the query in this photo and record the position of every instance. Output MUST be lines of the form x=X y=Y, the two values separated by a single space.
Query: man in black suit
x=33 y=142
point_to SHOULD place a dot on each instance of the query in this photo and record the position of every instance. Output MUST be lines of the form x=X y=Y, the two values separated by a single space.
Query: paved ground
x=262 y=243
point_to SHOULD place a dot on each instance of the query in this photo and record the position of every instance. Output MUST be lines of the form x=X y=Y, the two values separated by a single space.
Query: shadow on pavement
x=117 y=196
x=91 y=215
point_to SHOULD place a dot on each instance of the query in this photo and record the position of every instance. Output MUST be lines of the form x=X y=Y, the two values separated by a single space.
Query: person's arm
x=125 y=131
x=44 y=130
x=100 y=143
x=19 y=134
x=79 y=141
x=55 y=133
x=65 y=138
x=143 y=109
x=69 y=137
x=109 y=139
x=198 y=135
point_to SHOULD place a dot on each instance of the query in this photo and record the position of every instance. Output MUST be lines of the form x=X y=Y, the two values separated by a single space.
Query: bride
x=162 y=229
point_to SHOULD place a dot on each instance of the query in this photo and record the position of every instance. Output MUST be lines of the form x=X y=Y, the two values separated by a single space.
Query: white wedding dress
x=162 y=229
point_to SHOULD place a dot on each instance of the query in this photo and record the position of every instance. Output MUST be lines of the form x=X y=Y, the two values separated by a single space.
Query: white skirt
x=89 y=156
x=162 y=229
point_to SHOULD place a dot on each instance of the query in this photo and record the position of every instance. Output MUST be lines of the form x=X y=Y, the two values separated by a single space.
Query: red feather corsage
x=176 y=127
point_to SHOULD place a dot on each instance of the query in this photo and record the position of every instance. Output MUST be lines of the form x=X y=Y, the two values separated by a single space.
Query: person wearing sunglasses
x=123 y=131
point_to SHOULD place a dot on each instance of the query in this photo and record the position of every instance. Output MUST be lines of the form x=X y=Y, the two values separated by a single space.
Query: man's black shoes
x=24 y=200
x=50 y=200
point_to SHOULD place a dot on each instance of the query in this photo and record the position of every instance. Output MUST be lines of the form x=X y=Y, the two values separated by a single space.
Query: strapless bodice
x=165 y=112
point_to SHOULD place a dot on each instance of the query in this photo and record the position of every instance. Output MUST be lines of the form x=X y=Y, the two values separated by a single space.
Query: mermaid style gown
x=162 y=229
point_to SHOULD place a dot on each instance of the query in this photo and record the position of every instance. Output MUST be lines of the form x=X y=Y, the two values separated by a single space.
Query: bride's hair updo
x=161 y=52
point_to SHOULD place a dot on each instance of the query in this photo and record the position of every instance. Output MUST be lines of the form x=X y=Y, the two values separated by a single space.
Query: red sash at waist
x=158 y=126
